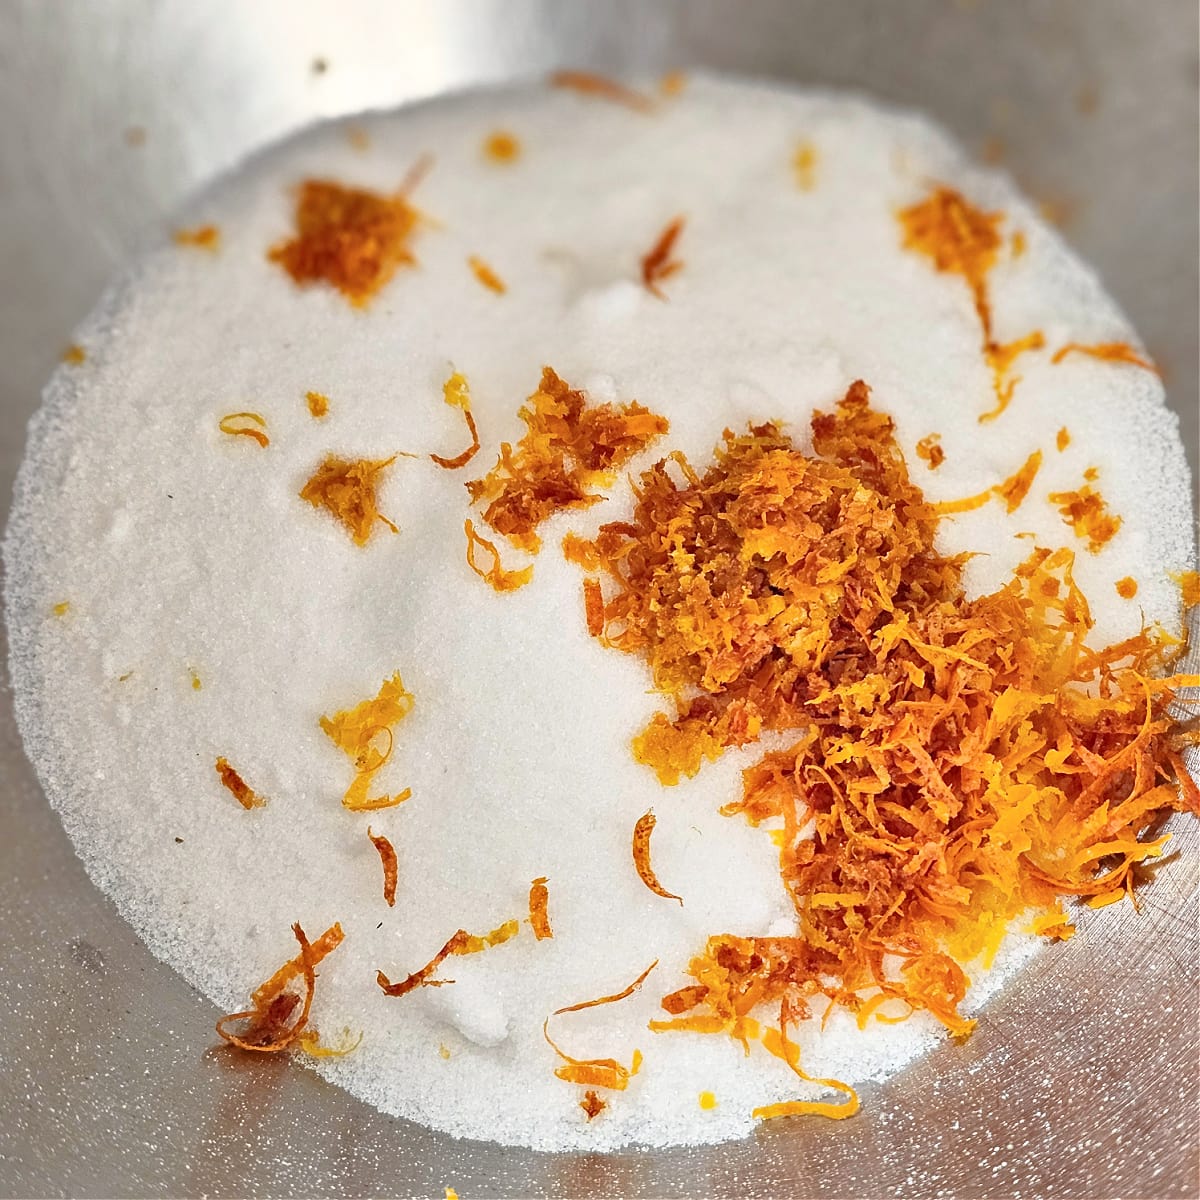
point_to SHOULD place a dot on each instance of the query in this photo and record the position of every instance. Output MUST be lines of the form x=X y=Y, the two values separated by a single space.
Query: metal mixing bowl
x=1082 y=1078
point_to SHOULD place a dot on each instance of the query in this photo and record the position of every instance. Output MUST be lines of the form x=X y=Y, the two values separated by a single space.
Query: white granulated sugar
x=181 y=550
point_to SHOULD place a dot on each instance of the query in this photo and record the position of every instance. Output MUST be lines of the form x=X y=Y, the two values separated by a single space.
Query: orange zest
x=245 y=424
x=358 y=731
x=387 y=857
x=930 y=451
x=1086 y=512
x=346 y=489
x=460 y=943
x=777 y=1042
x=501 y=146
x=350 y=238
x=641 y=856
x=1012 y=491
x=457 y=394
x=804 y=164
x=74 y=355
x=318 y=404
x=1115 y=352
x=1000 y=359
x=592 y=1105
x=1062 y=439
x=569 y=447
x=593 y=607
x=486 y=275
x=245 y=795
x=588 y=83
x=502 y=580
x=657 y=263
x=1127 y=587
x=201 y=237
x=539 y=918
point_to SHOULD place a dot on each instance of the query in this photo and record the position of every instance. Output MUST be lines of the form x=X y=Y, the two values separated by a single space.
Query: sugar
x=183 y=550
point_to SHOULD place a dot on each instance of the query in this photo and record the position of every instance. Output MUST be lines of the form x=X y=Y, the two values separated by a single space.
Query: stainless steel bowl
x=1081 y=1080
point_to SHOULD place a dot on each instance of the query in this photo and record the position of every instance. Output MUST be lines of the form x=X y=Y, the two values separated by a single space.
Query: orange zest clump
x=245 y=424
x=387 y=857
x=539 y=917
x=486 y=275
x=270 y=1025
x=1062 y=439
x=460 y=943
x=241 y=791
x=957 y=765
x=1087 y=514
x=202 y=237
x=1127 y=587
x=456 y=394
x=1116 y=352
x=592 y=1105
x=346 y=489
x=318 y=403
x=641 y=856
x=501 y=579
x=590 y=84
x=350 y=238
x=658 y=264
x=501 y=146
x=930 y=452
x=356 y=732
x=804 y=164
x=964 y=240
x=597 y=1072
x=569 y=446
x=74 y=355
x=1012 y=491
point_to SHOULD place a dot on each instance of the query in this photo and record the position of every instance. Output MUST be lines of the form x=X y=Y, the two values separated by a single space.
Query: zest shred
x=539 y=918
x=960 y=764
x=658 y=264
x=457 y=394
x=345 y=488
x=241 y=791
x=460 y=943
x=641 y=857
x=1086 y=512
x=245 y=424
x=1116 y=352
x=355 y=731
x=391 y=870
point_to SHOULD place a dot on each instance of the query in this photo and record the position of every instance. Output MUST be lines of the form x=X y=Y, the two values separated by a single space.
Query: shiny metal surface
x=1082 y=1080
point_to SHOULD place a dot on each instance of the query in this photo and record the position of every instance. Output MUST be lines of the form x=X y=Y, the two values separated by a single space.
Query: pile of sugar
x=182 y=551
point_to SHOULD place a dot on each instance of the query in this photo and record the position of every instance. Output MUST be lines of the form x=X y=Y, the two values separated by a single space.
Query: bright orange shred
x=597 y=1072
x=1189 y=586
x=202 y=237
x=310 y=1042
x=590 y=84
x=502 y=580
x=346 y=489
x=245 y=795
x=657 y=263
x=592 y=1105
x=1087 y=514
x=269 y=1025
x=539 y=918
x=501 y=146
x=350 y=238
x=74 y=355
x=777 y=1042
x=62 y=608
x=1012 y=491
x=641 y=857
x=245 y=424
x=1000 y=359
x=457 y=394
x=569 y=447
x=460 y=943
x=930 y=452
x=804 y=164
x=957 y=762
x=486 y=275
x=391 y=870
x=1127 y=587
x=355 y=731
x=1062 y=439
x=593 y=607
x=1117 y=352
x=318 y=403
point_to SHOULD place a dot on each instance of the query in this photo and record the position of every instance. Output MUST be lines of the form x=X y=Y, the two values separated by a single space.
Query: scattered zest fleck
x=1062 y=439
x=387 y=857
x=590 y=84
x=457 y=395
x=245 y=424
x=673 y=83
x=658 y=264
x=245 y=795
x=486 y=275
x=597 y=1072
x=804 y=164
x=1115 y=352
x=269 y=1025
x=1127 y=587
x=62 y=608
x=202 y=237
x=930 y=452
x=195 y=680
x=1000 y=359
x=356 y=732
x=350 y=238
x=707 y=1101
x=318 y=404
x=569 y=446
x=74 y=355
x=500 y=146
x=1012 y=491
x=500 y=579
x=1189 y=586
x=641 y=856
x=592 y=1105
x=346 y=489
x=1086 y=512
x=539 y=899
